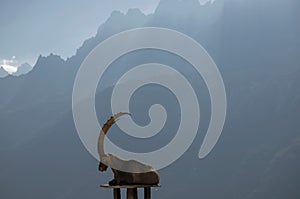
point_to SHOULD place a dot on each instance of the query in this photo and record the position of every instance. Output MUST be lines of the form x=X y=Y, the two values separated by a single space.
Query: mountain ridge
x=3 y=73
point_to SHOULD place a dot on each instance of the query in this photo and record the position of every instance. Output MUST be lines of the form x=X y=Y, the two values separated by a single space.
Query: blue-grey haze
x=256 y=45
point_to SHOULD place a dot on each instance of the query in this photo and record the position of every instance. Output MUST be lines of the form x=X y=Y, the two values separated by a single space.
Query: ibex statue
x=146 y=174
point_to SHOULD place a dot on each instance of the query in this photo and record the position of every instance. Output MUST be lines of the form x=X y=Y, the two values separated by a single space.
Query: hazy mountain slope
x=23 y=69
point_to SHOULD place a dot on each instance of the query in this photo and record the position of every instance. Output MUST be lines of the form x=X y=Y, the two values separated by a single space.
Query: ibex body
x=141 y=174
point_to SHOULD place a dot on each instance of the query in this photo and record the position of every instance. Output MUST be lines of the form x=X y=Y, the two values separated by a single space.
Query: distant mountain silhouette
x=3 y=72
x=255 y=45
x=23 y=69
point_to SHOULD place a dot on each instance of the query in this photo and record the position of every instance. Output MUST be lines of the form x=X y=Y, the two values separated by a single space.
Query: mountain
x=255 y=45
x=23 y=69
x=3 y=72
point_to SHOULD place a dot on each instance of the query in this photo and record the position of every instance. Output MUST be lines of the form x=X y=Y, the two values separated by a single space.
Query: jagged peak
x=166 y=4
x=116 y=14
x=50 y=56
x=43 y=60
x=134 y=12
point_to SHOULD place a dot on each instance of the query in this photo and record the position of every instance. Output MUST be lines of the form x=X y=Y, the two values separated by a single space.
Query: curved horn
x=104 y=130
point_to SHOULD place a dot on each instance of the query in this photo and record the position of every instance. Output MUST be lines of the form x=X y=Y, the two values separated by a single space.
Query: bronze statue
x=146 y=174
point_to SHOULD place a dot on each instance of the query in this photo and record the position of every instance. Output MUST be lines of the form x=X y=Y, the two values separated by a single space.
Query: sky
x=31 y=28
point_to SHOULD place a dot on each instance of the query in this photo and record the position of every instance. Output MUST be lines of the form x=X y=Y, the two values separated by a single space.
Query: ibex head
x=102 y=167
